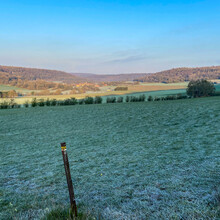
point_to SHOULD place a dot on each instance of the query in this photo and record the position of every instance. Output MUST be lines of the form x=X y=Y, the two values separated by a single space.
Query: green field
x=147 y=160
x=162 y=93
x=166 y=84
x=6 y=88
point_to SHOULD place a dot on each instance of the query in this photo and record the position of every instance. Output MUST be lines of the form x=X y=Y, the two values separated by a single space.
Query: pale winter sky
x=112 y=36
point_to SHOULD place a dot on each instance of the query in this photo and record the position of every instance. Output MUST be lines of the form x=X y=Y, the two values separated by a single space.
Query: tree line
x=182 y=75
x=31 y=74
x=9 y=94
x=86 y=101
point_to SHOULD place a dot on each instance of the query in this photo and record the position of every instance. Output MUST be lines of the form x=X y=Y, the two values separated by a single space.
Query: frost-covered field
x=158 y=160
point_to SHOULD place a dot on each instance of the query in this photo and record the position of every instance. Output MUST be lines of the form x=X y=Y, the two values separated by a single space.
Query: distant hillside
x=8 y=73
x=19 y=76
x=110 y=78
x=182 y=74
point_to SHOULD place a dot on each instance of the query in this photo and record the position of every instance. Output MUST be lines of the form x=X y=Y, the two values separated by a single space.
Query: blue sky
x=120 y=36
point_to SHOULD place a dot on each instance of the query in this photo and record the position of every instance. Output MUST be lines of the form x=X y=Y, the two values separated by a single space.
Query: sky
x=110 y=37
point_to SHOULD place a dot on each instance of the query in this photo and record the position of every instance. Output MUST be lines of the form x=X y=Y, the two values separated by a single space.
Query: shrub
x=81 y=101
x=4 y=105
x=200 y=88
x=26 y=104
x=184 y=97
x=48 y=103
x=217 y=93
x=170 y=97
x=120 y=99
x=89 y=100
x=53 y=102
x=34 y=102
x=127 y=99
x=62 y=102
x=73 y=101
x=12 y=103
x=142 y=98
x=150 y=98
x=134 y=99
x=98 y=100
x=66 y=102
x=41 y=102
x=111 y=100
x=157 y=98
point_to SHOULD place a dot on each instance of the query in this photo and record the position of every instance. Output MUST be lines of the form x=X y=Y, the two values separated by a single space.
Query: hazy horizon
x=108 y=73
x=110 y=37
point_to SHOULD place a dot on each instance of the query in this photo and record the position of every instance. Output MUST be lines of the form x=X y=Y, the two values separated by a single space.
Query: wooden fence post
x=68 y=179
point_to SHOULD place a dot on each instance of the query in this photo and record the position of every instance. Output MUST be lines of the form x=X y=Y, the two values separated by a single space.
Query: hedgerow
x=91 y=100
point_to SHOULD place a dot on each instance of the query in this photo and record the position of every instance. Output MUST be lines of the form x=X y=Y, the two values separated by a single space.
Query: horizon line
x=72 y=73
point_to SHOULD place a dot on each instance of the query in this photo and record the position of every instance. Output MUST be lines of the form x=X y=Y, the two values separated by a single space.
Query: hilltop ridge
x=183 y=74
x=11 y=75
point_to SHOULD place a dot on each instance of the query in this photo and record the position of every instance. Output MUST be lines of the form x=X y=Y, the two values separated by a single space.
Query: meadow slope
x=150 y=160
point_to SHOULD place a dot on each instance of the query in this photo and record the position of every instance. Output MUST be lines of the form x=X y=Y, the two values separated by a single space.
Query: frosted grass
x=158 y=160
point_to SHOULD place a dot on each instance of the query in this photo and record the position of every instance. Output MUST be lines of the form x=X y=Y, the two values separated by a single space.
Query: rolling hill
x=10 y=73
x=182 y=75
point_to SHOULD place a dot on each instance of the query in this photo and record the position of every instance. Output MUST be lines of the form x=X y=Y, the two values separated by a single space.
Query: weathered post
x=68 y=179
